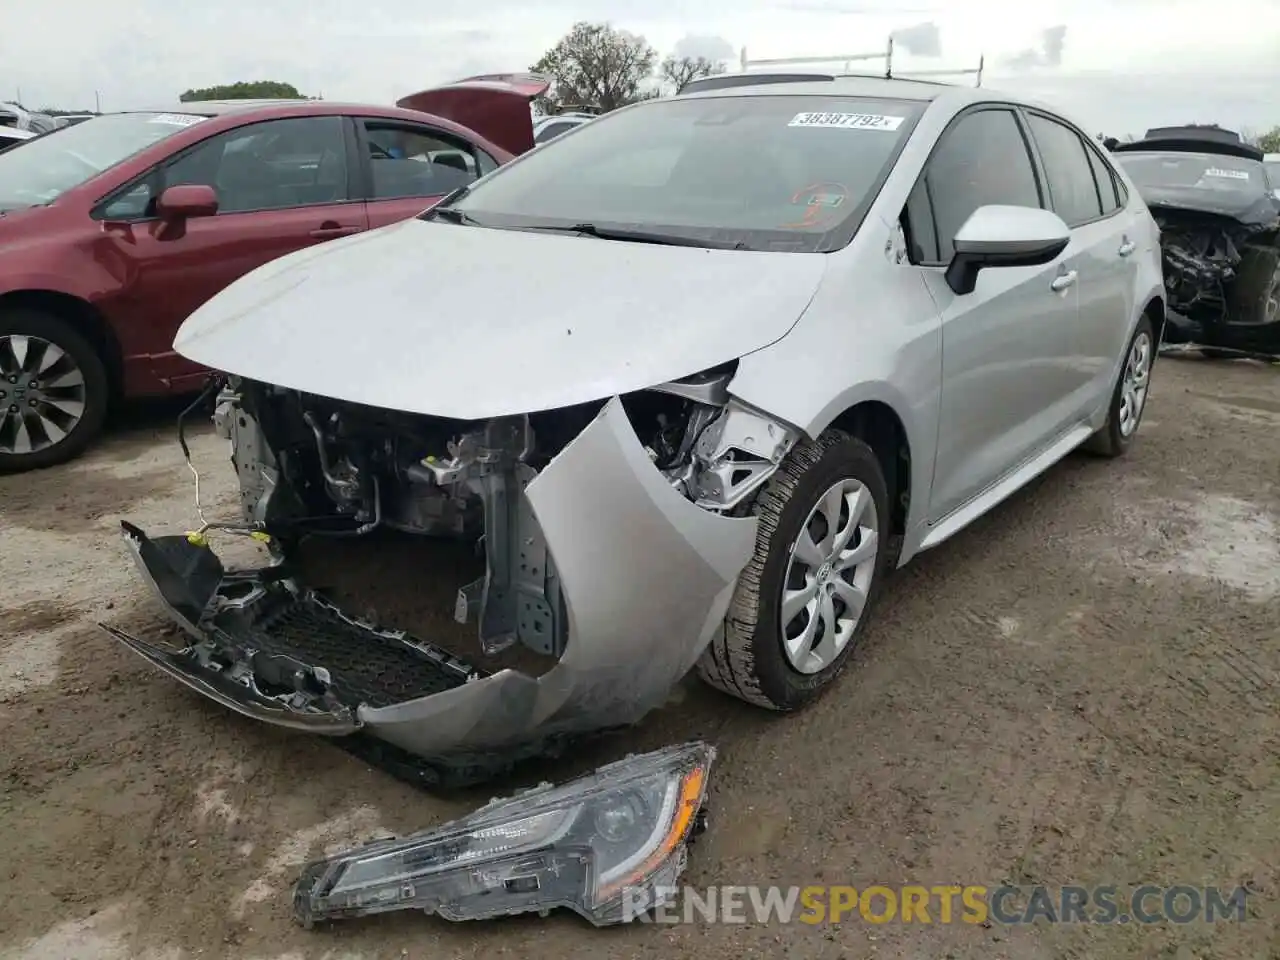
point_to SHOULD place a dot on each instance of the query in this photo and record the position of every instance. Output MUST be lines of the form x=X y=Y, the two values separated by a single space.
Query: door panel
x=1005 y=391
x=1083 y=192
x=1104 y=322
x=282 y=185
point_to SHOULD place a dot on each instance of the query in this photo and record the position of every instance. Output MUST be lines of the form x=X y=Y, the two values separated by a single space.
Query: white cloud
x=1124 y=65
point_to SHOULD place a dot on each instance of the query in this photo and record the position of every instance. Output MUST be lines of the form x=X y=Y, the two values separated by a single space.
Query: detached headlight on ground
x=600 y=845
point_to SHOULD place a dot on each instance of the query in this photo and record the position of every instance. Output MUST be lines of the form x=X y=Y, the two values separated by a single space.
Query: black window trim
x=155 y=173
x=1032 y=157
x=361 y=145
x=1088 y=145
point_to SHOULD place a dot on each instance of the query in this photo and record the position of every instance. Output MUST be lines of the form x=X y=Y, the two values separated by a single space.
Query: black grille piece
x=367 y=665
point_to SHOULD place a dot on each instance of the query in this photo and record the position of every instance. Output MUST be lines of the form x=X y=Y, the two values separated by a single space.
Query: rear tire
x=750 y=660
x=56 y=419
x=1133 y=386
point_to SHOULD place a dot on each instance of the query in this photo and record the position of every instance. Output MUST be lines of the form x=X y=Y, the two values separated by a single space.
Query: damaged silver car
x=694 y=379
x=1220 y=230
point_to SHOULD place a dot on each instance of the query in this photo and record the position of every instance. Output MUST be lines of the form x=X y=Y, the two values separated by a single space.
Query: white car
x=12 y=136
x=695 y=381
x=548 y=128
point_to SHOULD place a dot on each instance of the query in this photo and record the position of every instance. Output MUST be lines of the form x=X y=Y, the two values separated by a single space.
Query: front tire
x=1129 y=398
x=804 y=599
x=53 y=391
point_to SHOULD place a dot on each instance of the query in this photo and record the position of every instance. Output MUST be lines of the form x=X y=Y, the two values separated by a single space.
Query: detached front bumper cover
x=604 y=845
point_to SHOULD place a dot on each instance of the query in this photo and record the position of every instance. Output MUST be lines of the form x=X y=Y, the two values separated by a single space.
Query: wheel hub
x=42 y=394
x=828 y=576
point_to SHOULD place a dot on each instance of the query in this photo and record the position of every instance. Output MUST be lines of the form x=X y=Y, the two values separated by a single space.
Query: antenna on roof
x=847 y=58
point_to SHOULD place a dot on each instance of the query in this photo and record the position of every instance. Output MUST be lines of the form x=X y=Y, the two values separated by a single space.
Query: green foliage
x=595 y=64
x=245 y=90
x=1270 y=141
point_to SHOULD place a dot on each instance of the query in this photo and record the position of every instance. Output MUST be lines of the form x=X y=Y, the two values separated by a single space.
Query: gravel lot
x=1081 y=688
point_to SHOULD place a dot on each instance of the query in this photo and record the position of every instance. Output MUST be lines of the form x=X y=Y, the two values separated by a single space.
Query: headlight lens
x=599 y=845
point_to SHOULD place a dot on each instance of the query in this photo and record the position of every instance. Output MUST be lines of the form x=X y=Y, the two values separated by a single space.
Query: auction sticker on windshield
x=847 y=121
x=1228 y=174
x=177 y=119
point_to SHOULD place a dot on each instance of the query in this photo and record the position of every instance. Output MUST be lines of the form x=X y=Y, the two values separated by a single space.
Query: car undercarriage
x=661 y=478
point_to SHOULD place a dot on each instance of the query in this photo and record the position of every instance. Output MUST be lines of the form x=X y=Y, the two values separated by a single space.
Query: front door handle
x=1063 y=281
x=1127 y=248
x=330 y=230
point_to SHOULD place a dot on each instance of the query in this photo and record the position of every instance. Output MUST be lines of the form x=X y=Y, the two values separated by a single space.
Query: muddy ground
x=1081 y=688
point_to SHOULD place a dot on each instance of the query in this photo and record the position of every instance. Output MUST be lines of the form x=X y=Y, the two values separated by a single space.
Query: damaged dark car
x=1220 y=234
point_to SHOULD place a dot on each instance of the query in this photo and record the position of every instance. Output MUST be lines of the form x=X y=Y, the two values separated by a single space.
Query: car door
x=282 y=185
x=406 y=167
x=1005 y=394
x=1082 y=190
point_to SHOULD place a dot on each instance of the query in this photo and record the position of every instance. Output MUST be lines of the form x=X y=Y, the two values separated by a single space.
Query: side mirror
x=1002 y=236
x=187 y=200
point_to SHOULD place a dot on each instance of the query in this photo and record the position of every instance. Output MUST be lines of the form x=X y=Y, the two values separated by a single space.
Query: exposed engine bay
x=1216 y=269
x=582 y=515
x=313 y=466
x=1219 y=220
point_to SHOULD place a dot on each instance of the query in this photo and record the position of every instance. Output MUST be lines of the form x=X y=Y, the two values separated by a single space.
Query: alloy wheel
x=828 y=576
x=1134 y=382
x=42 y=394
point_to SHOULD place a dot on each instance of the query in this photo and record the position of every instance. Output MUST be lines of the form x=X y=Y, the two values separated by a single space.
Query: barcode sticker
x=847 y=121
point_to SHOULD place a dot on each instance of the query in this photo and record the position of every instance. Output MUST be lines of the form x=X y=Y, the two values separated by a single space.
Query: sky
x=1116 y=66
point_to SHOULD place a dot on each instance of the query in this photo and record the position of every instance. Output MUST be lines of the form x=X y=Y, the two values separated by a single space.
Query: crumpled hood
x=468 y=322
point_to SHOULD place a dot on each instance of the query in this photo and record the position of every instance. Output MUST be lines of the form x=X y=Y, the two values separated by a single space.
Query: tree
x=677 y=71
x=596 y=65
x=245 y=90
x=1270 y=141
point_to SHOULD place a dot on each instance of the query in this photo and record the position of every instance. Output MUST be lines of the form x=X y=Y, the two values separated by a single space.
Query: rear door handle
x=1127 y=248
x=1061 y=283
x=327 y=231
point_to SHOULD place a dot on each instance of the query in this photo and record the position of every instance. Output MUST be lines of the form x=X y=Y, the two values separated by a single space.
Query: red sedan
x=114 y=230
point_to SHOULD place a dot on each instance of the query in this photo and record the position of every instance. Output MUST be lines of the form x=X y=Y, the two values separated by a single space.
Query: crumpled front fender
x=647 y=578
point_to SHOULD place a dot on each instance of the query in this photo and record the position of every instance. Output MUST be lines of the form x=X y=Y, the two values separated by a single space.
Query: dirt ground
x=1080 y=688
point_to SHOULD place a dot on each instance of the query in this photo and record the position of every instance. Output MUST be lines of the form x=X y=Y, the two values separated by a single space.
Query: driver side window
x=982 y=159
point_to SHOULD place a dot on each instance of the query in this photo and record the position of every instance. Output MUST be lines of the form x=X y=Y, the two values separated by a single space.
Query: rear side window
x=1067 y=168
x=408 y=161
x=981 y=160
x=1108 y=183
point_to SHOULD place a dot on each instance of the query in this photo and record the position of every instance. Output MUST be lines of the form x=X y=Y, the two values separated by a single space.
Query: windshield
x=49 y=166
x=758 y=172
x=1167 y=175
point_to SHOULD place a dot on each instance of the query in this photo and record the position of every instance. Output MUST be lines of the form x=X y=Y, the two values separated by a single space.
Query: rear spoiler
x=494 y=105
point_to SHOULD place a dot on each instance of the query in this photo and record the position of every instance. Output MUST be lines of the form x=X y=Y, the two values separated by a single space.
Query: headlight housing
x=601 y=845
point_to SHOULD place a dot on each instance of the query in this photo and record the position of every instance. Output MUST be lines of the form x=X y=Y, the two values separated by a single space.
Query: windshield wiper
x=444 y=209
x=642 y=236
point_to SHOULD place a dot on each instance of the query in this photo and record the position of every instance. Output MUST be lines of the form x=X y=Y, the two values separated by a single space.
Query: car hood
x=471 y=322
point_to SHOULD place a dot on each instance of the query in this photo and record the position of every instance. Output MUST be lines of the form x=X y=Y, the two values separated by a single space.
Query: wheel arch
x=83 y=316
x=878 y=425
x=1154 y=310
